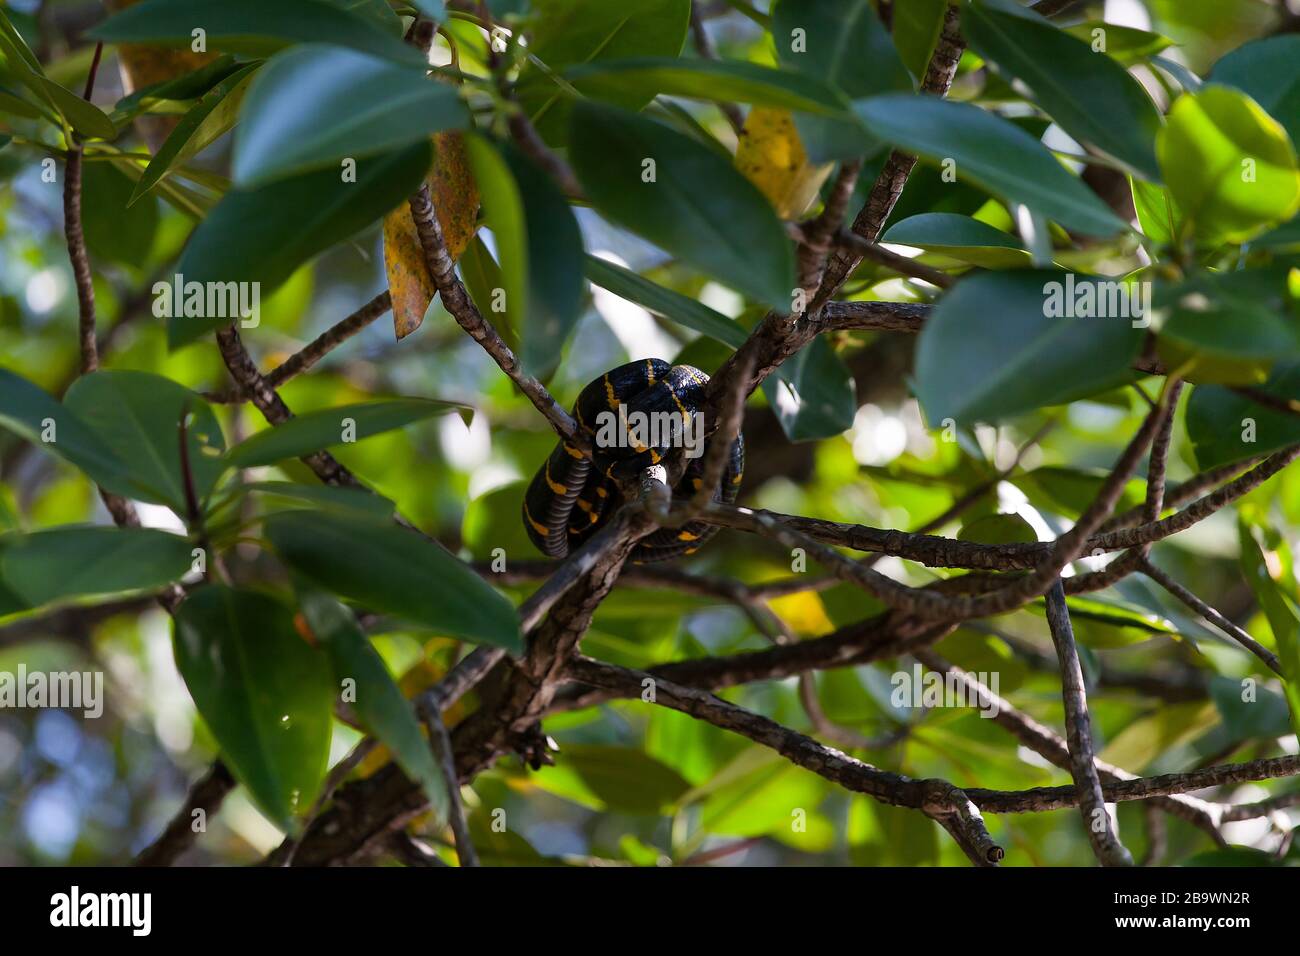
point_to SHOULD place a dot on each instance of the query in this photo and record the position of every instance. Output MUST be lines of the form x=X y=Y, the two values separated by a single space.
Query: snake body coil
x=572 y=496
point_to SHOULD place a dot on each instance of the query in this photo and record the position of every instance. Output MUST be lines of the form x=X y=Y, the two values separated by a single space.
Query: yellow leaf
x=771 y=156
x=804 y=613
x=455 y=197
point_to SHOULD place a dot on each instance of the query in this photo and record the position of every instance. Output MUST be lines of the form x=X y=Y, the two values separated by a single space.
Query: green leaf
x=1109 y=623
x=1125 y=44
x=916 y=30
x=843 y=44
x=1280 y=609
x=814 y=396
x=619 y=779
x=990 y=152
x=492 y=521
x=1225 y=427
x=84 y=117
x=555 y=260
x=207 y=120
x=1069 y=491
x=359 y=105
x=1268 y=71
x=1229 y=166
x=1001 y=343
x=116 y=231
x=327 y=496
x=138 y=415
x=74 y=561
x=396 y=571
x=263 y=692
x=1264 y=716
x=735 y=81
x=253 y=26
x=566 y=33
x=377 y=700
x=313 y=431
x=1156 y=214
x=960 y=238
x=666 y=302
x=1088 y=94
x=1172 y=725
x=482 y=277
x=31 y=414
x=1285 y=238
x=15 y=47
x=998 y=529
x=169 y=94
x=696 y=207
x=1227 y=327
x=16 y=106
x=263 y=235
x=503 y=213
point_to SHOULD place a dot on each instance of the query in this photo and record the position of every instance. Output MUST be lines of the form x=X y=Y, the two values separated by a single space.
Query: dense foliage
x=1003 y=298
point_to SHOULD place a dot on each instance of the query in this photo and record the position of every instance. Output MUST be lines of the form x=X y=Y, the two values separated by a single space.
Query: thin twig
x=895 y=262
x=1238 y=634
x=440 y=744
x=317 y=349
x=1078 y=733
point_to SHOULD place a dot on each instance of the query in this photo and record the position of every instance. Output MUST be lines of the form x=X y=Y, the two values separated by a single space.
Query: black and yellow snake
x=572 y=496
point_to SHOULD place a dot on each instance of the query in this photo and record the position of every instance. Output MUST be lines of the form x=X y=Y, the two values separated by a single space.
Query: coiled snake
x=571 y=496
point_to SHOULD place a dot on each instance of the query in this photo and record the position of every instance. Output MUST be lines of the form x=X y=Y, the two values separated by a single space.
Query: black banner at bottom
x=368 y=905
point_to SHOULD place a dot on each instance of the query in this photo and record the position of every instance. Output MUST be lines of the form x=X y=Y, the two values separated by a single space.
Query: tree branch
x=938 y=799
x=1078 y=733
x=206 y=795
x=882 y=198
x=457 y=301
x=317 y=349
x=1053 y=748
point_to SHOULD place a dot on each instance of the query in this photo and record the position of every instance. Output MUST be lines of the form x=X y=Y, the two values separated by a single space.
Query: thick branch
x=938 y=799
x=1052 y=747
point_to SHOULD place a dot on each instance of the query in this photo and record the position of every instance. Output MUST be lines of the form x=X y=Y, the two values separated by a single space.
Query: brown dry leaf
x=455 y=197
x=145 y=65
